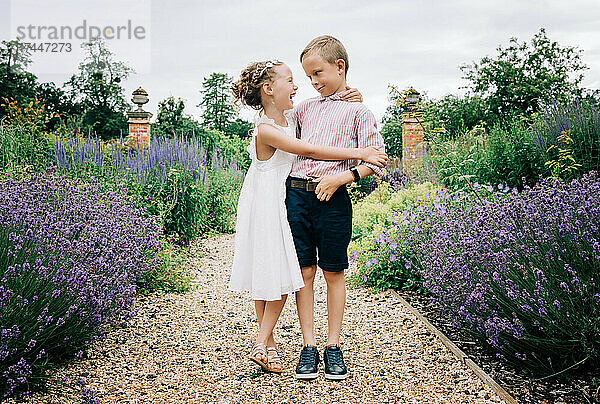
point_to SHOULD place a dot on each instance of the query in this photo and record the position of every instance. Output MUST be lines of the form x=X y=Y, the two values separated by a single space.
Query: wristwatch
x=355 y=173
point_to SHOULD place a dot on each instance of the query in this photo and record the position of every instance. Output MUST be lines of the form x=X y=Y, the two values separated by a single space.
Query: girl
x=265 y=261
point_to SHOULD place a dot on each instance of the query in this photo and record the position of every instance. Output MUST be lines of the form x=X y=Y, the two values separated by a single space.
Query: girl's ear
x=267 y=88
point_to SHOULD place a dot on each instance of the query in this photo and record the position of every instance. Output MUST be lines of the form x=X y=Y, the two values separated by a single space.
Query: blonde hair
x=247 y=89
x=329 y=48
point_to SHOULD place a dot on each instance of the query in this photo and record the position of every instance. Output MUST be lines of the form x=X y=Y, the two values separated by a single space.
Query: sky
x=403 y=43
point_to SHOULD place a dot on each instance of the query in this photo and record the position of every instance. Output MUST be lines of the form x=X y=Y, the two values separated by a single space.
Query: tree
x=239 y=128
x=58 y=104
x=170 y=119
x=523 y=74
x=392 y=137
x=456 y=115
x=98 y=87
x=216 y=102
x=15 y=81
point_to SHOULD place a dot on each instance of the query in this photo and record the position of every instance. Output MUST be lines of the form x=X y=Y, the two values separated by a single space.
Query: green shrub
x=392 y=137
x=171 y=276
x=456 y=115
x=507 y=155
x=379 y=206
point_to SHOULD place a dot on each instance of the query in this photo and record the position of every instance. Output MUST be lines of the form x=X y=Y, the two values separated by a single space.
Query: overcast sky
x=406 y=43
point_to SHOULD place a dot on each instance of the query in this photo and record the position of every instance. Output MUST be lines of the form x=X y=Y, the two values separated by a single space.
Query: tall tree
x=216 y=104
x=98 y=87
x=15 y=81
x=171 y=120
x=523 y=74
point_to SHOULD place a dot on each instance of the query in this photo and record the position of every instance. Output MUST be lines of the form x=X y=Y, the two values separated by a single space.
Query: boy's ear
x=341 y=66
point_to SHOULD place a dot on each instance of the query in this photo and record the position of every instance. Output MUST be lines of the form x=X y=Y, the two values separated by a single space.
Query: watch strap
x=355 y=173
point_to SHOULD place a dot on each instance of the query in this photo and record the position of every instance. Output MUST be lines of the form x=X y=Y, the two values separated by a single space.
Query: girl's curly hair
x=247 y=89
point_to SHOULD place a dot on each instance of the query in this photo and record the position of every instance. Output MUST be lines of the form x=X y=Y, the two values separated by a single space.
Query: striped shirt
x=329 y=121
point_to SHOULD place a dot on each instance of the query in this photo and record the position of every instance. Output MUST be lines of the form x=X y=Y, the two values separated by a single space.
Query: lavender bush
x=173 y=179
x=521 y=272
x=517 y=270
x=70 y=255
x=581 y=119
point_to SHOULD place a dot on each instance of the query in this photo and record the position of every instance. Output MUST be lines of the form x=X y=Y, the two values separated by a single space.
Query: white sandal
x=273 y=357
x=260 y=348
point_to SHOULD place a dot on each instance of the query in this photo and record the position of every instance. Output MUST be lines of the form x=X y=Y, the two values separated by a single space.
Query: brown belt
x=307 y=185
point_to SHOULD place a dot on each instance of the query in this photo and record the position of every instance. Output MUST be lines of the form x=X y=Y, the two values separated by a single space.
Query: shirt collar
x=332 y=97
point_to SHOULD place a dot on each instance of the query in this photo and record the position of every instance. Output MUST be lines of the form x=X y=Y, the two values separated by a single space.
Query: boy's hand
x=327 y=186
x=351 y=95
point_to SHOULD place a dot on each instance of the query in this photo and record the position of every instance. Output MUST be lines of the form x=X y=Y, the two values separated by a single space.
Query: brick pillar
x=412 y=143
x=139 y=122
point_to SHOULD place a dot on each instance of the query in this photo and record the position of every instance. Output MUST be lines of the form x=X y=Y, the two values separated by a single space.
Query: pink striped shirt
x=329 y=121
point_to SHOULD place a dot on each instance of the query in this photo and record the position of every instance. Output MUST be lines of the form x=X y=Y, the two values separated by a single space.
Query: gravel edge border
x=499 y=390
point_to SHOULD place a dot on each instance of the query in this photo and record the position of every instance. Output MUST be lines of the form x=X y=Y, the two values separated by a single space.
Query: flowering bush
x=521 y=271
x=70 y=255
x=517 y=270
x=173 y=179
x=375 y=210
x=382 y=261
x=581 y=120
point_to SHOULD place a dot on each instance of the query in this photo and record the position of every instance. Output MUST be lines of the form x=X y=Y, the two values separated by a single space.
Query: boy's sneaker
x=308 y=365
x=334 y=363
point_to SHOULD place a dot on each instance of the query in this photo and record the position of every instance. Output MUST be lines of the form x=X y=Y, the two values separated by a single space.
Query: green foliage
x=376 y=210
x=523 y=74
x=374 y=221
x=563 y=166
x=217 y=107
x=172 y=276
x=456 y=115
x=507 y=155
x=216 y=101
x=15 y=81
x=581 y=122
x=98 y=87
x=171 y=121
x=232 y=148
x=239 y=128
x=23 y=145
x=358 y=190
x=392 y=137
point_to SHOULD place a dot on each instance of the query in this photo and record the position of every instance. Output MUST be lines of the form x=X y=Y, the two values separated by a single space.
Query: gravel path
x=191 y=348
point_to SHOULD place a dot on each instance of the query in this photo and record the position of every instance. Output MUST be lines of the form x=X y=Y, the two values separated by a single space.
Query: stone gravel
x=192 y=347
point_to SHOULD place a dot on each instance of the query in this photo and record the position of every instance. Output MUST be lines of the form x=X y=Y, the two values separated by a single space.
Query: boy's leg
x=336 y=300
x=299 y=205
x=334 y=231
x=305 y=304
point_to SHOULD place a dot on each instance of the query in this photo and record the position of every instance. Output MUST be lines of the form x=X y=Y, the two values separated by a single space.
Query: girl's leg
x=270 y=315
x=259 y=305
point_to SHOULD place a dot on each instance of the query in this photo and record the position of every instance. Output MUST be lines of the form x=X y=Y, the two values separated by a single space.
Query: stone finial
x=139 y=121
x=140 y=97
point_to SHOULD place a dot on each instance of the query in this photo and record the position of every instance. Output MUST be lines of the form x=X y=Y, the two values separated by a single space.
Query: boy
x=318 y=206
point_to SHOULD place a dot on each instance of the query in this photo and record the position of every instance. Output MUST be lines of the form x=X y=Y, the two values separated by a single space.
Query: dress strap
x=262 y=118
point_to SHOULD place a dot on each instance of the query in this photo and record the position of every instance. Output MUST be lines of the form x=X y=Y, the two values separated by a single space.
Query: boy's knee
x=308 y=273
x=333 y=278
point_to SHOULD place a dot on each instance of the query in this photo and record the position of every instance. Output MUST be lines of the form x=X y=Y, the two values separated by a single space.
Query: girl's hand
x=351 y=95
x=375 y=156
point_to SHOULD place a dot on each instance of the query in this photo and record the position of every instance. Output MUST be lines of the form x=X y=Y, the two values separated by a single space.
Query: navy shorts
x=320 y=226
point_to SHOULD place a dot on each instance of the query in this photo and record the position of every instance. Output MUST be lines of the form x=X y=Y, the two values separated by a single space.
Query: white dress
x=265 y=261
